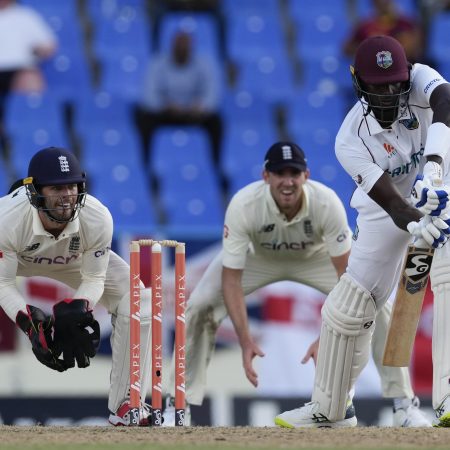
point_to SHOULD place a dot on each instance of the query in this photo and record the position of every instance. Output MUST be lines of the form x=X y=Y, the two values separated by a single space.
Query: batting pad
x=120 y=344
x=348 y=317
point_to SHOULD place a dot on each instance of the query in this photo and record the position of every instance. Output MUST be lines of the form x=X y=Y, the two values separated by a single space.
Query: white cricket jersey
x=79 y=256
x=253 y=221
x=366 y=150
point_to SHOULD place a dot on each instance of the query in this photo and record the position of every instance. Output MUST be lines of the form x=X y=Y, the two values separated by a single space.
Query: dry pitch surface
x=202 y=438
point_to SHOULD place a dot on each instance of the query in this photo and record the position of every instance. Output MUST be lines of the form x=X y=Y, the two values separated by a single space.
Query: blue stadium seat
x=68 y=68
x=193 y=202
x=326 y=74
x=243 y=150
x=101 y=108
x=5 y=179
x=308 y=9
x=320 y=36
x=174 y=147
x=246 y=106
x=202 y=27
x=121 y=35
x=107 y=144
x=31 y=139
x=407 y=7
x=438 y=42
x=252 y=33
x=267 y=75
x=311 y=108
x=110 y=9
x=37 y=110
x=123 y=75
x=112 y=159
x=265 y=7
x=124 y=189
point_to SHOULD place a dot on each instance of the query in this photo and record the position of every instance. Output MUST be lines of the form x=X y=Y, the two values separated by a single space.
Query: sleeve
x=236 y=239
x=11 y=299
x=425 y=81
x=94 y=263
x=42 y=33
x=336 y=232
x=358 y=163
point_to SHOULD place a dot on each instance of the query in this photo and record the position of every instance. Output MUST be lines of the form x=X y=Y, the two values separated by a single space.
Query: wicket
x=180 y=332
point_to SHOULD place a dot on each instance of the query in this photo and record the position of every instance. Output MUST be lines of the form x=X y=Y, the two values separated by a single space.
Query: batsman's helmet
x=381 y=76
x=53 y=166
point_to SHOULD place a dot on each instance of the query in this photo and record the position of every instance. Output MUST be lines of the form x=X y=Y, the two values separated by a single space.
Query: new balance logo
x=63 y=164
x=267 y=228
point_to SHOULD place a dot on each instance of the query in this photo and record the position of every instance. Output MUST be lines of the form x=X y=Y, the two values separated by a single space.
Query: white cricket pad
x=120 y=345
x=348 y=317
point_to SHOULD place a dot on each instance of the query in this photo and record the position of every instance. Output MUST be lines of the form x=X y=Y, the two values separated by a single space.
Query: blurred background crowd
x=170 y=106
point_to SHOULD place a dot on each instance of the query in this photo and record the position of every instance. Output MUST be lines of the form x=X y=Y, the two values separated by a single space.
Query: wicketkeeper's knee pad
x=120 y=345
x=348 y=317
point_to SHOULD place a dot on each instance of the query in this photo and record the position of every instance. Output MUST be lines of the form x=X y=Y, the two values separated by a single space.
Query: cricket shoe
x=308 y=416
x=169 y=413
x=121 y=418
x=409 y=415
x=443 y=414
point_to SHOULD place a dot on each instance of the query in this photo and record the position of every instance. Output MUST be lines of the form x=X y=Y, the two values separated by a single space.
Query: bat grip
x=420 y=243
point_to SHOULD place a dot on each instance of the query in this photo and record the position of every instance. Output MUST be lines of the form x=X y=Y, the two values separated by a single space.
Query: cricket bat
x=407 y=306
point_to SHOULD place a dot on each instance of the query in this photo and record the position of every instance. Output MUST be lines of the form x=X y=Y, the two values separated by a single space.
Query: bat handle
x=420 y=243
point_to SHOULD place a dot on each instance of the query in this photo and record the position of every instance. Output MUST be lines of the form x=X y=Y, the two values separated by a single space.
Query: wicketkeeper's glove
x=38 y=327
x=77 y=333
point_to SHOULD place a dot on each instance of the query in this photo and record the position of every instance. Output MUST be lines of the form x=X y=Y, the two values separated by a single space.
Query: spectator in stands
x=388 y=20
x=180 y=88
x=25 y=39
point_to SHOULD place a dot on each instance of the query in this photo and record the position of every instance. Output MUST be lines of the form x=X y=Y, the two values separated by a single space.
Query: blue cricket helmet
x=53 y=166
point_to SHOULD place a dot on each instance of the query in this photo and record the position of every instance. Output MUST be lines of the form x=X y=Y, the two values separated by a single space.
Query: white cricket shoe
x=308 y=416
x=169 y=413
x=443 y=414
x=121 y=418
x=410 y=415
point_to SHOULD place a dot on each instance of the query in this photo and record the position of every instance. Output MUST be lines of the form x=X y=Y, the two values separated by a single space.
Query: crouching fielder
x=400 y=123
x=51 y=227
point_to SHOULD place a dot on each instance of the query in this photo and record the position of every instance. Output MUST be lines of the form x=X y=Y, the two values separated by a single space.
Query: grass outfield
x=218 y=438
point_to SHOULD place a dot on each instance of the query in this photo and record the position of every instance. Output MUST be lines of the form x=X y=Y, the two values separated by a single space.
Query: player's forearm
x=90 y=290
x=11 y=300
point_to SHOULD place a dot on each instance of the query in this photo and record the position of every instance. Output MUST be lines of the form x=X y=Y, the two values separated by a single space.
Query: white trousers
x=206 y=310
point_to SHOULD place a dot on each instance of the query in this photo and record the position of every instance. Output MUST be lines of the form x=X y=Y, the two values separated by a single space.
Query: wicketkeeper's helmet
x=53 y=166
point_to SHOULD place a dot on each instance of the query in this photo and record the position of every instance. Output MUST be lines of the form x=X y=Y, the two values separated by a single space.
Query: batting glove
x=427 y=198
x=433 y=231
